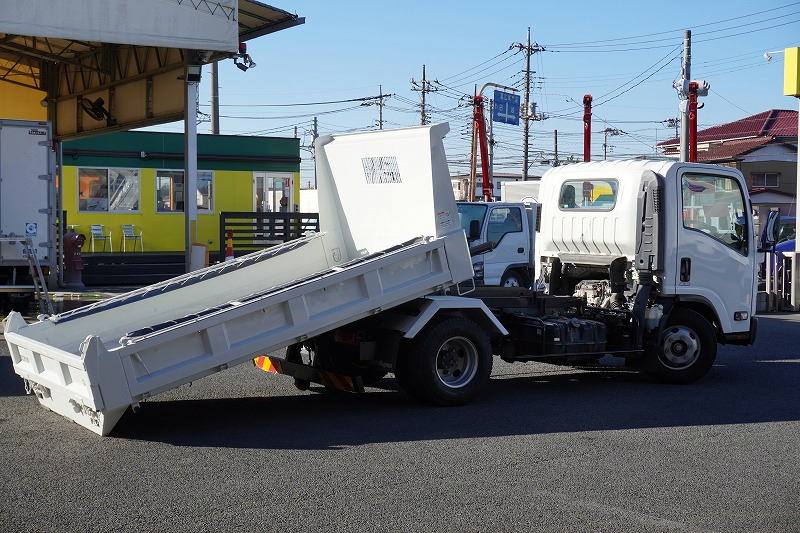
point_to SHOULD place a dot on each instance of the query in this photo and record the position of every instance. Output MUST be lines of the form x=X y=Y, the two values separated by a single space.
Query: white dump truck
x=386 y=286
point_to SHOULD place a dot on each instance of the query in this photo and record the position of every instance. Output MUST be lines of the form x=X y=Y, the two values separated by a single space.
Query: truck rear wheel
x=685 y=351
x=446 y=364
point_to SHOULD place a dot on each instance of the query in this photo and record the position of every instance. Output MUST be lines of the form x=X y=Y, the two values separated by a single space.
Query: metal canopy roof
x=128 y=71
x=257 y=19
x=24 y=59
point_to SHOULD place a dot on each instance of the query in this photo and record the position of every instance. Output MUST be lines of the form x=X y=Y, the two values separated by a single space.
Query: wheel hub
x=457 y=362
x=681 y=348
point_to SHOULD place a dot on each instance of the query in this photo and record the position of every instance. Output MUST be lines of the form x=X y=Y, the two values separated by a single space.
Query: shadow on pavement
x=747 y=385
x=10 y=383
x=538 y=404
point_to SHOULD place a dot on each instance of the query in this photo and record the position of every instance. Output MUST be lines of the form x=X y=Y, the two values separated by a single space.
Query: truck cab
x=510 y=228
x=685 y=227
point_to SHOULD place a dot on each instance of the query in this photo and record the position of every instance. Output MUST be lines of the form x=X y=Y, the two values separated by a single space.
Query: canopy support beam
x=192 y=84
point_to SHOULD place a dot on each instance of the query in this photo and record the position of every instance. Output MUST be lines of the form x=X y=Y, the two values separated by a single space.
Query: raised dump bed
x=390 y=234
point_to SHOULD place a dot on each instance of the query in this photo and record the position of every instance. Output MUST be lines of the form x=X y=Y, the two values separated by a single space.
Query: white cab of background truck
x=510 y=228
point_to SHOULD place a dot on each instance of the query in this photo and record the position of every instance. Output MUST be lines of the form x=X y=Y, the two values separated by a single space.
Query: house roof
x=764 y=190
x=732 y=149
x=772 y=123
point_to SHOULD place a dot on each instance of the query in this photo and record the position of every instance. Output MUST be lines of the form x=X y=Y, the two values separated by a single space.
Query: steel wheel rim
x=511 y=282
x=680 y=348
x=456 y=362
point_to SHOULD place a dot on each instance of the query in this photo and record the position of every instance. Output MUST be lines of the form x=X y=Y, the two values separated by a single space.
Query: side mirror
x=772 y=230
x=474 y=230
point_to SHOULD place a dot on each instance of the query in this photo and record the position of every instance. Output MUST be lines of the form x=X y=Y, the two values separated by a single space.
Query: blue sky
x=346 y=49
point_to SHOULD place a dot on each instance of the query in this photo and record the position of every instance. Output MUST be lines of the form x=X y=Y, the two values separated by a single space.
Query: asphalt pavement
x=545 y=448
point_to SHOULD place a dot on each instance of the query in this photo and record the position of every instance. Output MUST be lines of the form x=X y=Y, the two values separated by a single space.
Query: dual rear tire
x=448 y=363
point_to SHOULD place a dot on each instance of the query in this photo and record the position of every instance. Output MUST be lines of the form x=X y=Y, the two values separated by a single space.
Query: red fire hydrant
x=73 y=263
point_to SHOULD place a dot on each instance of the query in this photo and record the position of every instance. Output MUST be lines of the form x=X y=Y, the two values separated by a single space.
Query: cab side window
x=715 y=205
x=503 y=220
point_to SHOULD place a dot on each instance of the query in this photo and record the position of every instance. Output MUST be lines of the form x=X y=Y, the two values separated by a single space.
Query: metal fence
x=252 y=231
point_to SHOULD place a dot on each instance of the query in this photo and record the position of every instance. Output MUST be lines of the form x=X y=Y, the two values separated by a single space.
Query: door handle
x=520 y=250
x=686 y=268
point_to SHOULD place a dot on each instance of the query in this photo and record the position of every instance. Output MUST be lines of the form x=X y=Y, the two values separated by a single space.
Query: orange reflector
x=268 y=365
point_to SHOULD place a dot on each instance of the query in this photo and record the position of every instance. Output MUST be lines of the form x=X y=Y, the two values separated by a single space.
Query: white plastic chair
x=130 y=233
x=99 y=234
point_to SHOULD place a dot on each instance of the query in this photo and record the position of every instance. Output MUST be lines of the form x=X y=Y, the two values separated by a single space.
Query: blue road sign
x=506 y=108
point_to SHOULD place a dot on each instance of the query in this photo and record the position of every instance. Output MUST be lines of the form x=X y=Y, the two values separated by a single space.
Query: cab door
x=505 y=228
x=715 y=260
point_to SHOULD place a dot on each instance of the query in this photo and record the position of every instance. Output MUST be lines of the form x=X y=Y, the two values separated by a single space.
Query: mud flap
x=332 y=380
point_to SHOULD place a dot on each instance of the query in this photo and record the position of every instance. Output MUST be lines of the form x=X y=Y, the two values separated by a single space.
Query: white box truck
x=27 y=205
x=379 y=290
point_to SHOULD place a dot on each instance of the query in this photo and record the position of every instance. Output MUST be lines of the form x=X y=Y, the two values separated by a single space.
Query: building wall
x=21 y=103
x=233 y=191
x=786 y=169
x=232 y=159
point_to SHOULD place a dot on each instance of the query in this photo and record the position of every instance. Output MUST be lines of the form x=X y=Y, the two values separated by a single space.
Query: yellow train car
x=136 y=179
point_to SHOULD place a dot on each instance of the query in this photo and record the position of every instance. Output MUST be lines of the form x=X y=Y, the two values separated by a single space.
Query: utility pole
x=587 y=127
x=423 y=87
x=314 y=135
x=673 y=123
x=473 y=179
x=606 y=133
x=527 y=113
x=555 y=147
x=423 y=119
x=215 y=98
x=295 y=132
x=682 y=86
x=491 y=145
x=380 y=107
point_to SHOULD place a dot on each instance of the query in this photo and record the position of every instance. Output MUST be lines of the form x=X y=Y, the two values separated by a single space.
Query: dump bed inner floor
x=261 y=294
x=177 y=283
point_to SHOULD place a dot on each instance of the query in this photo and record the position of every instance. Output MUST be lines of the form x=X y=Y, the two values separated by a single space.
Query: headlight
x=477 y=267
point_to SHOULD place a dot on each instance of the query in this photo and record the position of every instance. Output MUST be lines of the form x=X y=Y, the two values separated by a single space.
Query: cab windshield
x=470 y=212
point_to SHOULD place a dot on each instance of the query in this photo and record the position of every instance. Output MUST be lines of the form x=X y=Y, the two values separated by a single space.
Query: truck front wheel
x=446 y=364
x=514 y=278
x=685 y=351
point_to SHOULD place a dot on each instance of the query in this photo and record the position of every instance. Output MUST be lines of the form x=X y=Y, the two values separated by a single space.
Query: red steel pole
x=587 y=127
x=480 y=128
x=693 y=121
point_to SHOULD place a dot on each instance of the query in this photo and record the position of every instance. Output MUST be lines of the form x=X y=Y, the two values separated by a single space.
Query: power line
x=677 y=29
x=748 y=32
x=478 y=65
x=641 y=73
x=362 y=99
x=292 y=116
